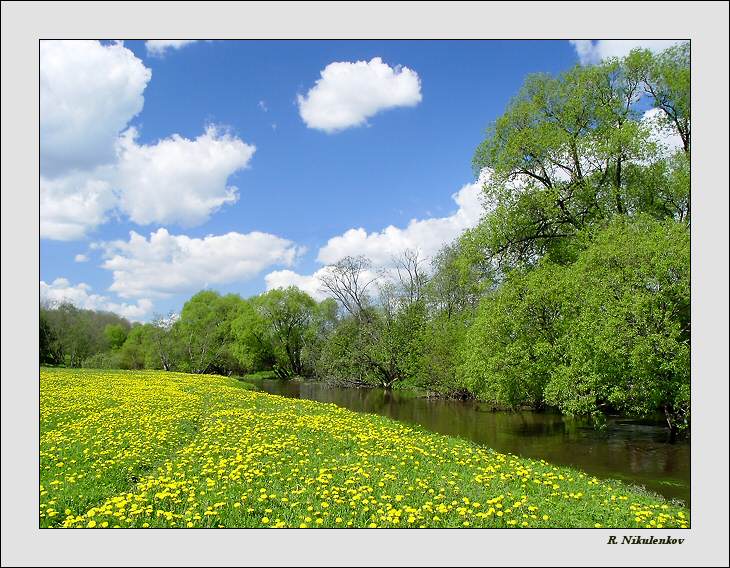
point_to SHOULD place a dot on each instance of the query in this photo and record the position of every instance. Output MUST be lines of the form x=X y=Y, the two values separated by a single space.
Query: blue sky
x=306 y=188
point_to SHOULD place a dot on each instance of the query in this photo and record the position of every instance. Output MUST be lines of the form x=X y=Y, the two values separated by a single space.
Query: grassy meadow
x=159 y=449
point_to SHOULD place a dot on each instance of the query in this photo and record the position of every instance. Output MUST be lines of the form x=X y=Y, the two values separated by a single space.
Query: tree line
x=573 y=291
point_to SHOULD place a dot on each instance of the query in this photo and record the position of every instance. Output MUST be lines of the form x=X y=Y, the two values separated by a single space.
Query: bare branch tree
x=411 y=274
x=347 y=281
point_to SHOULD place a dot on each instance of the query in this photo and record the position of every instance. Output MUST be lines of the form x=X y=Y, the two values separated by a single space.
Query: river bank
x=638 y=452
x=158 y=449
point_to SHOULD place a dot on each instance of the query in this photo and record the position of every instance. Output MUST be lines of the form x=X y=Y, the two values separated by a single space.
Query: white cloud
x=166 y=264
x=158 y=47
x=81 y=258
x=61 y=290
x=347 y=94
x=177 y=179
x=73 y=204
x=590 y=51
x=88 y=94
x=427 y=236
x=93 y=165
x=307 y=283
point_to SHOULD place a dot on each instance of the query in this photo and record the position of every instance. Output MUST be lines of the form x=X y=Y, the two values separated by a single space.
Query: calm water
x=628 y=450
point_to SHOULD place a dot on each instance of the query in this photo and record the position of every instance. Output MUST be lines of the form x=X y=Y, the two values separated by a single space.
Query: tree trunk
x=671 y=424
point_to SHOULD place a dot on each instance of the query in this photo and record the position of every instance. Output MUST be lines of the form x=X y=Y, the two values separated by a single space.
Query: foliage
x=115 y=335
x=134 y=353
x=628 y=347
x=609 y=333
x=436 y=370
x=69 y=335
x=104 y=360
x=49 y=343
x=288 y=315
x=569 y=150
x=251 y=345
x=515 y=341
x=204 y=332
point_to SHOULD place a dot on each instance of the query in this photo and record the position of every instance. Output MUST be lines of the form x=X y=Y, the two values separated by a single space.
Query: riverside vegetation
x=165 y=449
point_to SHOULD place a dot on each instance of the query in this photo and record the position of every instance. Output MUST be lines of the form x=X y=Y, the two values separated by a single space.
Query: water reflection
x=629 y=450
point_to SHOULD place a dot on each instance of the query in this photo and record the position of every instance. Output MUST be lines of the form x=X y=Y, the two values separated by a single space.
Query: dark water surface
x=628 y=450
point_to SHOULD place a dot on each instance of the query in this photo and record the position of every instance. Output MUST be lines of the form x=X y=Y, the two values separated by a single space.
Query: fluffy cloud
x=61 y=290
x=158 y=47
x=347 y=94
x=92 y=165
x=81 y=258
x=590 y=51
x=166 y=264
x=307 y=283
x=177 y=179
x=88 y=94
x=75 y=203
x=427 y=236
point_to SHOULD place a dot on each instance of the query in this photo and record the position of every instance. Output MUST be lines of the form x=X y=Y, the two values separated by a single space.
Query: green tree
x=665 y=78
x=75 y=333
x=289 y=314
x=162 y=343
x=375 y=344
x=609 y=333
x=628 y=346
x=568 y=150
x=133 y=354
x=515 y=342
x=115 y=335
x=251 y=345
x=204 y=331
x=49 y=347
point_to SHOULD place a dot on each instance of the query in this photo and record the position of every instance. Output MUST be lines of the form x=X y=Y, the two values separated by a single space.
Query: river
x=630 y=450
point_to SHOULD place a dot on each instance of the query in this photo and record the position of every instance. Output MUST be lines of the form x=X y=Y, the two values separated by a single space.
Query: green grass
x=259 y=375
x=155 y=449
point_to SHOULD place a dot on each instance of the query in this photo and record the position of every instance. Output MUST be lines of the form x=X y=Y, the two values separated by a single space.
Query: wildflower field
x=158 y=449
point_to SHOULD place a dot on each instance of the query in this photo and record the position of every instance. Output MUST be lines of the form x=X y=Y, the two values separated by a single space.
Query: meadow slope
x=157 y=449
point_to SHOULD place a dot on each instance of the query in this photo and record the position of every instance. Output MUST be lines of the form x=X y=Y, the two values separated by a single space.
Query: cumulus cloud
x=75 y=203
x=177 y=179
x=92 y=164
x=590 y=51
x=88 y=94
x=80 y=295
x=348 y=93
x=306 y=283
x=427 y=236
x=166 y=264
x=81 y=258
x=158 y=47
